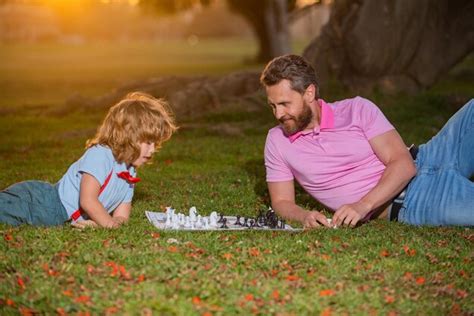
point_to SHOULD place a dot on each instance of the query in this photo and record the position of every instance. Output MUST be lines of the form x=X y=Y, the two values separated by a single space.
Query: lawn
x=378 y=268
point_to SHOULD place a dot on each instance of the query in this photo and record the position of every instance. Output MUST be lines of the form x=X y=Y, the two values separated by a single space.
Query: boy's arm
x=122 y=212
x=89 y=202
x=282 y=195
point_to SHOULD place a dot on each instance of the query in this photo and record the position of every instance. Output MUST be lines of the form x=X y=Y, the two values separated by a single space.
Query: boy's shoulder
x=101 y=152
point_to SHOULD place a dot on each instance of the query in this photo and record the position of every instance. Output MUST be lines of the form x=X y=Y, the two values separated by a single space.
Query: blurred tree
x=394 y=45
x=268 y=18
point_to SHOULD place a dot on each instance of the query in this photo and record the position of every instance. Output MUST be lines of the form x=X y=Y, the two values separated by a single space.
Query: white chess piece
x=169 y=210
x=206 y=223
x=175 y=221
x=213 y=219
x=187 y=223
x=199 y=221
x=192 y=213
x=181 y=219
x=168 y=220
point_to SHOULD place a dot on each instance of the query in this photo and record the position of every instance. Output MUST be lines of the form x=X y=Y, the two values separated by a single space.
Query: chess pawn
x=213 y=219
x=181 y=219
x=192 y=213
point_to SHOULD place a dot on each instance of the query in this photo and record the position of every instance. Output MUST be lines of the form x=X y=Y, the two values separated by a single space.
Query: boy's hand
x=83 y=224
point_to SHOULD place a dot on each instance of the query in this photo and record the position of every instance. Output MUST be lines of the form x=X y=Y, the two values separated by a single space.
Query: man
x=350 y=158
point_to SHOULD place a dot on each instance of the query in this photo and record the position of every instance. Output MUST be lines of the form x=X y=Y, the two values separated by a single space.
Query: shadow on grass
x=255 y=168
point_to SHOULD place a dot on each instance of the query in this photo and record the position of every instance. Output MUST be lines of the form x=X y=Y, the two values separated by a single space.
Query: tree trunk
x=269 y=21
x=399 y=45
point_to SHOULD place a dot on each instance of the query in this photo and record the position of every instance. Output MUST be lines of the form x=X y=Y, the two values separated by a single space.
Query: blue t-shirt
x=99 y=162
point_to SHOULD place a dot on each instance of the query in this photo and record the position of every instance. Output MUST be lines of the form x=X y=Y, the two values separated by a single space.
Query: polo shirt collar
x=327 y=121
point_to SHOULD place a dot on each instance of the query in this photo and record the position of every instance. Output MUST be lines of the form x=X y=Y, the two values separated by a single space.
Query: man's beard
x=292 y=124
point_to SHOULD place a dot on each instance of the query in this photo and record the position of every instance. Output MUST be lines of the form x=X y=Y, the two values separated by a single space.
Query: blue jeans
x=442 y=193
x=32 y=202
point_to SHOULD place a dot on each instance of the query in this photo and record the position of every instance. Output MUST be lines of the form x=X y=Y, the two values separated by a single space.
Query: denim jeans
x=32 y=202
x=441 y=192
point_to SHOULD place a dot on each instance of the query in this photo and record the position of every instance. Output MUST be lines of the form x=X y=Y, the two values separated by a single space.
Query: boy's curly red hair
x=137 y=118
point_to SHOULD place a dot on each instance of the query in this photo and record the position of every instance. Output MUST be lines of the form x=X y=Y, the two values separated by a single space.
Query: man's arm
x=282 y=195
x=400 y=169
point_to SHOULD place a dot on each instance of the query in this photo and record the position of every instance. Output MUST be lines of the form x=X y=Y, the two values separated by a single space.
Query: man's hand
x=351 y=214
x=314 y=219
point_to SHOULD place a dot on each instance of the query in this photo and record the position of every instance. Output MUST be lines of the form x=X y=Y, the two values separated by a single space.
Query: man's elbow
x=411 y=169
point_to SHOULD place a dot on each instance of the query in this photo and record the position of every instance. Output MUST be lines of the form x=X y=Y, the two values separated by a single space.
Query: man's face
x=289 y=107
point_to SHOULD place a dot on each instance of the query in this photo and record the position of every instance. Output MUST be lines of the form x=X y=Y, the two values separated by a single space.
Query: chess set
x=171 y=220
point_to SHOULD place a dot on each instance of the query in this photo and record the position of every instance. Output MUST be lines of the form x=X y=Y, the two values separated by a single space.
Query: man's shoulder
x=276 y=133
x=349 y=102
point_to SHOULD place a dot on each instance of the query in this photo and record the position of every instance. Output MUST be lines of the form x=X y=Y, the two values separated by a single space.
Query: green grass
x=377 y=268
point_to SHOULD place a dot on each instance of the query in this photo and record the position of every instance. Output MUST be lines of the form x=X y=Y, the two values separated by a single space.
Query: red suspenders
x=77 y=213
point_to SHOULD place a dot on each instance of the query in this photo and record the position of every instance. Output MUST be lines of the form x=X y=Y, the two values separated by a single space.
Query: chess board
x=158 y=219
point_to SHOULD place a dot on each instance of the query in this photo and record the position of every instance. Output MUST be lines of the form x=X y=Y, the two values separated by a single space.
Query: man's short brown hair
x=293 y=68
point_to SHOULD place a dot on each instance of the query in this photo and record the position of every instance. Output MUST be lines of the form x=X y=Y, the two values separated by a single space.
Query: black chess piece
x=282 y=224
x=237 y=221
x=245 y=221
x=224 y=222
x=251 y=223
x=221 y=219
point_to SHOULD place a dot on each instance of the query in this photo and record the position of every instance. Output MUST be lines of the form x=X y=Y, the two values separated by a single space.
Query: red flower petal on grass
x=254 y=252
x=384 y=253
x=408 y=276
x=276 y=295
x=155 y=235
x=124 y=274
x=8 y=237
x=25 y=311
x=20 y=282
x=173 y=249
x=420 y=280
x=327 y=292
x=9 y=302
x=67 y=293
x=227 y=256
x=111 y=310
x=389 y=299
x=248 y=297
x=408 y=251
x=326 y=312
x=60 y=311
x=461 y=293
x=197 y=300
x=141 y=278
x=292 y=277
x=82 y=299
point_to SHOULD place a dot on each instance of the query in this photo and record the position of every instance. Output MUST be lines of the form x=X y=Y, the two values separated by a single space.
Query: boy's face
x=146 y=153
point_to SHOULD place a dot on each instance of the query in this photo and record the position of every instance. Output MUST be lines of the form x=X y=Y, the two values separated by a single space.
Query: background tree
x=268 y=19
x=395 y=45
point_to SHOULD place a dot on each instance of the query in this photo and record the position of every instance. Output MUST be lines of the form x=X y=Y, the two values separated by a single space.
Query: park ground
x=214 y=162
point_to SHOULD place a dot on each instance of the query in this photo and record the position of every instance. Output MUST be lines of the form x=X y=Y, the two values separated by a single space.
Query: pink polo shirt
x=334 y=162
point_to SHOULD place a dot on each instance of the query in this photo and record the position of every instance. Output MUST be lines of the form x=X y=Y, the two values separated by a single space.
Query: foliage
x=214 y=163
